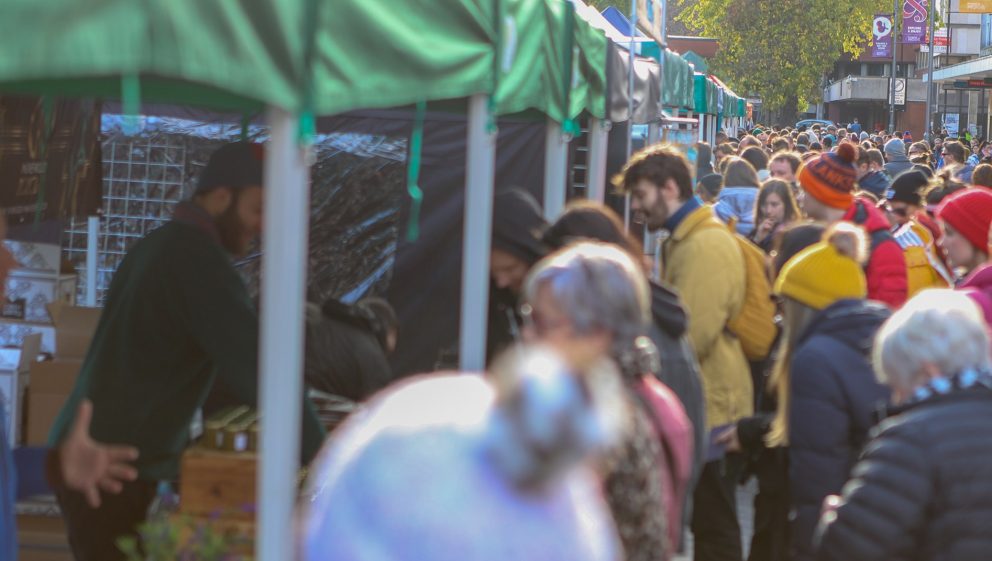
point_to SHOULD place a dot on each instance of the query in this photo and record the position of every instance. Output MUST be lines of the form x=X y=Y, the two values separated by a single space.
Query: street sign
x=973 y=84
x=976 y=6
x=951 y=122
x=900 y=94
x=941 y=42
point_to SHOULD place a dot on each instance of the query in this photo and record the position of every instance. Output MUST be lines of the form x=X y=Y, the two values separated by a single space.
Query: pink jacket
x=978 y=285
x=676 y=434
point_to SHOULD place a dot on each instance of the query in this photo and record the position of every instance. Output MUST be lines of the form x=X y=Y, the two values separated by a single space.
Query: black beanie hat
x=908 y=187
x=519 y=225
x=712 y=184
x=236 y=165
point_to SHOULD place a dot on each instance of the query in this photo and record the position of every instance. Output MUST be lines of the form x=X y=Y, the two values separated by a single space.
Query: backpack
x=922 y=269
x=754 y=326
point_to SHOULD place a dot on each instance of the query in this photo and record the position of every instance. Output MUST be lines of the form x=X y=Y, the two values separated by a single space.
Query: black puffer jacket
x=923 y=488
x=833 y=396
x=343 y=354
x=679 y=367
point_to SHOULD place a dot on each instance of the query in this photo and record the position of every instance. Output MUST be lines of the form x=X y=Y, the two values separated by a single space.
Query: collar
x=687 y=208
x=944 y=386
x=193 y=214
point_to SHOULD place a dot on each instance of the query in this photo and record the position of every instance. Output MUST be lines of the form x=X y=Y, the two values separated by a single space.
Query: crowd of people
x=866 y=243
x=817 y=318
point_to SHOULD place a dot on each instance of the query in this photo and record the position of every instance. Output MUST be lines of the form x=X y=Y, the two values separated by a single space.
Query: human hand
x=89 y=466
x=729 y=439
x=766 y=227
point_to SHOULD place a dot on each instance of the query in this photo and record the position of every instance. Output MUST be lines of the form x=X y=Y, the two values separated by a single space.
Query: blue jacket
x=833 y=395
x=964 y=174
x=737 y=202
x=8 y=486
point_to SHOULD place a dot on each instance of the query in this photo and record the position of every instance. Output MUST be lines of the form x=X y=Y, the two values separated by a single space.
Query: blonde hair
x=797 y=317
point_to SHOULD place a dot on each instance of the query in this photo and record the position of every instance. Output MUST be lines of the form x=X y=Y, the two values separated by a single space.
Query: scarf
x=945 y=385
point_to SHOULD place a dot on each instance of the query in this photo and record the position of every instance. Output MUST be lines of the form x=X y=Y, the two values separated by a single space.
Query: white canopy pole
x=598 y=140
x=284 y=270
x=654 y=133
x=92 y=248
x=478 y=235
x=555 y=162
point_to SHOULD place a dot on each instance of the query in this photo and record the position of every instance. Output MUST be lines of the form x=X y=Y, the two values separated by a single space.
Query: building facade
x=860 y=88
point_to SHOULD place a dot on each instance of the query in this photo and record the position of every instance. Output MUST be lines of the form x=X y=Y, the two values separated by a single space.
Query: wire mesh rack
x=144 y=179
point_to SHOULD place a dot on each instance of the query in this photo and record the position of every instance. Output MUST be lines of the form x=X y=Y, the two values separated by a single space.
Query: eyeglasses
x=538 y=323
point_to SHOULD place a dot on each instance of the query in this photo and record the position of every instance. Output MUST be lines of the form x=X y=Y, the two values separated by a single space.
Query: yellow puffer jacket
x=706 y=266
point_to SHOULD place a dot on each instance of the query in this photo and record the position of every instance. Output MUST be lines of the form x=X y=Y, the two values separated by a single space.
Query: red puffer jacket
x=886 y=271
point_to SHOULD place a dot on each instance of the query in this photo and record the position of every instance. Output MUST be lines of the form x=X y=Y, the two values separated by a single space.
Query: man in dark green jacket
x=177 y=319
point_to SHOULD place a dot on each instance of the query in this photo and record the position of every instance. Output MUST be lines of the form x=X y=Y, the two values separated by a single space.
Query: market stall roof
x=589 y=93
x=697 y=61
x=706 y=95
x=234 y=55
x=647 y=87
x=548 y=52
x=677 y=90
x=732 y=104
x=368 y=57
x=244 y=55
x=619 y=31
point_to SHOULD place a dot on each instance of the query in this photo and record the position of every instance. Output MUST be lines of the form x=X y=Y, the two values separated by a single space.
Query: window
x=986 y=31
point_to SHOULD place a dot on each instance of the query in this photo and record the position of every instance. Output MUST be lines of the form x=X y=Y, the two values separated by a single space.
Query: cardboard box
x=14 y=364
x=74 y=329
x=51 y=383
x=39 y=291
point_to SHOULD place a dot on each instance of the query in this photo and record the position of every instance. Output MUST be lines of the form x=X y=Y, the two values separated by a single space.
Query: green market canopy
x=677 y=90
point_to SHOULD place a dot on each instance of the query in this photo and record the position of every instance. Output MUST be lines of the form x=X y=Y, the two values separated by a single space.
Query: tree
x=781 y=49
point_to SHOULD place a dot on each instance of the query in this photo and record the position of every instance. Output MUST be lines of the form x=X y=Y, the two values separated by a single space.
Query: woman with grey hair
x=456 y=466
x=923 y=487
x=591 y=302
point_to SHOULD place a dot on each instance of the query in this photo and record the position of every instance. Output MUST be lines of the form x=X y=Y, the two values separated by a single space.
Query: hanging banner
x=976 y=6
x=881 y=30
x=914 y=21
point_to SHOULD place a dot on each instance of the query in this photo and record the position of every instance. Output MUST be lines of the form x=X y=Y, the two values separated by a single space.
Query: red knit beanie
x=831 y=178
x=970 y=213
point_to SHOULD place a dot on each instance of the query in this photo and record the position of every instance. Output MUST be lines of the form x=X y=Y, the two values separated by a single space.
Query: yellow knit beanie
x=827 y=271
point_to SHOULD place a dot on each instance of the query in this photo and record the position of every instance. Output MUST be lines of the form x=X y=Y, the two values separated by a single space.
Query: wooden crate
x=215 y=483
